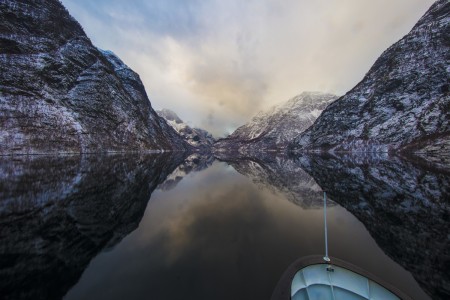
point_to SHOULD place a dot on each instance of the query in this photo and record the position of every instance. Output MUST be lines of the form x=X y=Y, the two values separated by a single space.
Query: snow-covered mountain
x=196 y=137
x=403 y=102
x=276 y=127
x=59 y=93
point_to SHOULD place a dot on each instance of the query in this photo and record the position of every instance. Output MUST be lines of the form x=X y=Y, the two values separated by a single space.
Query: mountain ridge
x=274 y=128
x=401 y=104
x=196 y=137
x=59 y=93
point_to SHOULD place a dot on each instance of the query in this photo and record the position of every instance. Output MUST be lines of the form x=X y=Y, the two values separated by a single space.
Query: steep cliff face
x=403 y=102
x=403 y=205
x=196 y=137
x=59 y=93
x=273 y=129
x=72 y=208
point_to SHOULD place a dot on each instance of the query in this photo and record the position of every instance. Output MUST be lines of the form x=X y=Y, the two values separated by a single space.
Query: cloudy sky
x=216 y=63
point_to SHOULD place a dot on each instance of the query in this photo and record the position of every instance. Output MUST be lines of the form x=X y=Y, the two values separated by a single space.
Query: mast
x=325 y=258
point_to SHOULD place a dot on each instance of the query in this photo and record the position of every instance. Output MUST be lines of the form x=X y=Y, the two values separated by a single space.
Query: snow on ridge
x=401 y=104
x=281 y=123
x=194 y=136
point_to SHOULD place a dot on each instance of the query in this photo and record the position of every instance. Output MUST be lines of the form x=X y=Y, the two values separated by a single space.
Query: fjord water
x=165 y=226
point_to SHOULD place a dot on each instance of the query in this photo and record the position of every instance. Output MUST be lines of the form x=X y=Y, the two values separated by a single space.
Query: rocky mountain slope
x=403 y=102
x=276 y=127
x=196 y=137
x=59 y=93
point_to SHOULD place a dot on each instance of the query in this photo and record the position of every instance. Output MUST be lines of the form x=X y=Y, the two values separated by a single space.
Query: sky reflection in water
x=218 y=235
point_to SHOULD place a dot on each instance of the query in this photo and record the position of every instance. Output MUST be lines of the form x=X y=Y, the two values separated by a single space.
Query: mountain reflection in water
x=209 y=231
x=405 y=207
x=57 y=213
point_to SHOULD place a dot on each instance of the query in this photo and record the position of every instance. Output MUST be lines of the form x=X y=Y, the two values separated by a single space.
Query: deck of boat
x=283 y=288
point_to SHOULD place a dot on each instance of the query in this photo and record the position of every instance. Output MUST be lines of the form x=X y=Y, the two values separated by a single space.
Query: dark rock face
x=198 y=138
x=61 y=94
x=57 y=213
x=404 y=206
x=273 y=129
x=403 y=102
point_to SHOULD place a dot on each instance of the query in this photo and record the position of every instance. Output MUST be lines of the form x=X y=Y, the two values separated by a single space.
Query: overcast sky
x=216 y=63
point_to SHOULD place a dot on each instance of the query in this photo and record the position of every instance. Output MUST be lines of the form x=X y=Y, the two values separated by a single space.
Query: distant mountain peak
x=196 y=137
x=274 y=128
x=169 y=115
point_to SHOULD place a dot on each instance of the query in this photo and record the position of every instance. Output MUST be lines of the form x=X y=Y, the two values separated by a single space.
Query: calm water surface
x=171 y=227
